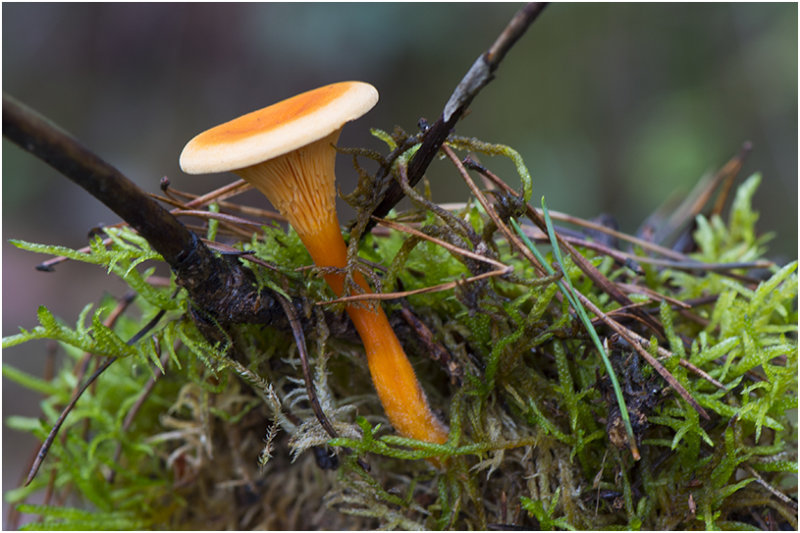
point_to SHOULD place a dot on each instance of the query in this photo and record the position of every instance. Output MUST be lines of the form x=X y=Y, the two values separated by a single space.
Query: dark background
x=614 y=108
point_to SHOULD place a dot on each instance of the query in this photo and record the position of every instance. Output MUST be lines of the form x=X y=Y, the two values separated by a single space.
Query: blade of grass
x=629 y=336
x=566 y=288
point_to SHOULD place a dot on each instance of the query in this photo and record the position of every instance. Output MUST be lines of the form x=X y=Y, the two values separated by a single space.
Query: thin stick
x=663 y=353
x=403 y=294
x=476 y=78
x=446 y=245
x=207 y=199
x=232 y=189
x=231 y=220
x=702 y=373
x=300 y=341
x=621 y=256
x=775 y=492
x=653 y=295
x=45 y=447
x=563 y=217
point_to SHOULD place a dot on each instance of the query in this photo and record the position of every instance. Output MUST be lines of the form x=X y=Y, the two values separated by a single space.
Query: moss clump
x=180 y=433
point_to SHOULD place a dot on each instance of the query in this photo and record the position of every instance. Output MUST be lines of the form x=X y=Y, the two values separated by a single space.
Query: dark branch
x=221 y=290
x=480 y=74
x=58 y=149
x=300 y=341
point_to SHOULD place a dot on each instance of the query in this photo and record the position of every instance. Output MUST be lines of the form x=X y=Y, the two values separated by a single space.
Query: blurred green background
x=614 y=108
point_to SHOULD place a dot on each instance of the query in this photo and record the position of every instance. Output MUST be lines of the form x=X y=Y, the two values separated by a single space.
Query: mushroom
x=286 y=151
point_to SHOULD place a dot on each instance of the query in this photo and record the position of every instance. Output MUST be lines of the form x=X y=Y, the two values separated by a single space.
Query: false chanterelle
x=286 y=151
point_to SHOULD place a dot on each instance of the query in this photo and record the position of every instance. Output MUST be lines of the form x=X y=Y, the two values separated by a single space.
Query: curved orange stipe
x=392 y=374
x=317 y=226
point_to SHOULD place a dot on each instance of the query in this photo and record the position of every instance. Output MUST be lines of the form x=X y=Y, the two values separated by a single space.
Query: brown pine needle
x=501 y=269
x=222 y=193
x=629 y=336
x=512 y=238
x=653 y=295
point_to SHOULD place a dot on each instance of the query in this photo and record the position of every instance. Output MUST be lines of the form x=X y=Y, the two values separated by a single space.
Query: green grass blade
x=567 y=289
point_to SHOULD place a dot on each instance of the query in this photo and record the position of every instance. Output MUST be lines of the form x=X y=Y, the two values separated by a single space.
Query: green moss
x=226 y=437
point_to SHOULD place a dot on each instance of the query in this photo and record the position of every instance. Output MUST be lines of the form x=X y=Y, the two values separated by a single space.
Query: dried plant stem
x=623 y=257
x=216 y=196
x=663 y=353
x=653 y=295
x=45 y=447
x=222 y=193
x=563 y=217
x=775 y=492
x=232 y=222
x=446 y=245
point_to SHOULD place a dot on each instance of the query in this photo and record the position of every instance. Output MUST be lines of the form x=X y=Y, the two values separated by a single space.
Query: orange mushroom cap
x=286 y=151
x=277 y=129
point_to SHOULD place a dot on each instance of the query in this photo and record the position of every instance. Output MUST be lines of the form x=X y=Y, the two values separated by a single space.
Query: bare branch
x=64 y=153
x=478 y=76
x=222 y=291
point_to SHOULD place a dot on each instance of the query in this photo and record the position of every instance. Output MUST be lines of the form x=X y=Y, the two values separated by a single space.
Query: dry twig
x=480 y=74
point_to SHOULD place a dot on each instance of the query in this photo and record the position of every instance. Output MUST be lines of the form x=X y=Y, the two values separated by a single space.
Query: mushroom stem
x=400 y=393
